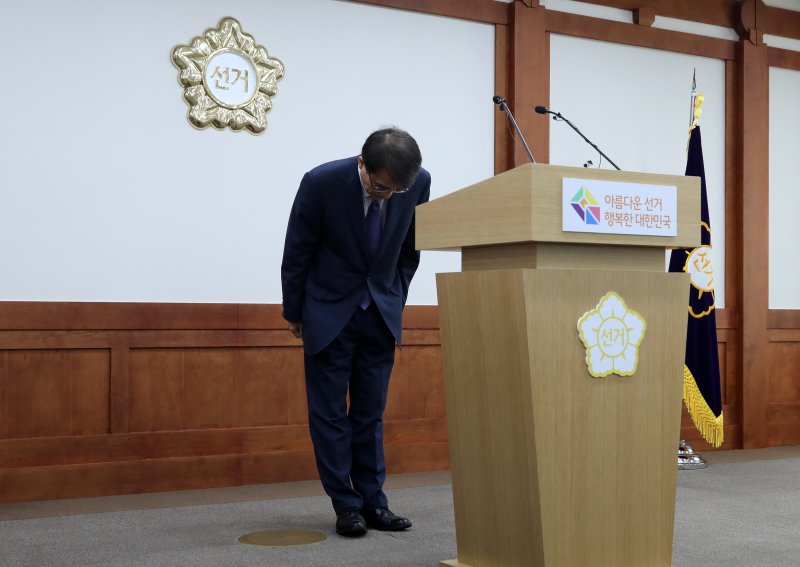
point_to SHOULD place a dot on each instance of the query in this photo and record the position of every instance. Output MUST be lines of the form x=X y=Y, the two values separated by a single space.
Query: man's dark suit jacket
x=325 y=267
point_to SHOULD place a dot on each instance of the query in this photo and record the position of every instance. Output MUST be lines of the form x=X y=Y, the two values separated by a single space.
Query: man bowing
x=348 y=260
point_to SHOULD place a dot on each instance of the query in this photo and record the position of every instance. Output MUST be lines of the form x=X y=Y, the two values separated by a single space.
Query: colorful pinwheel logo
x=586 y=206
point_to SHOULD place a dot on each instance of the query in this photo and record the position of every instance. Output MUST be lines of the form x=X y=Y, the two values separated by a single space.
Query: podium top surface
x=525 y=205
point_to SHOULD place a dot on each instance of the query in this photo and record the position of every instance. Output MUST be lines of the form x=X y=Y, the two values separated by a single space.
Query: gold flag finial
x=695 y=109
x=696 y=102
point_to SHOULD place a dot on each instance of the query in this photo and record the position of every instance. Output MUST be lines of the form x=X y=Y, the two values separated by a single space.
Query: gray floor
x=744 y=510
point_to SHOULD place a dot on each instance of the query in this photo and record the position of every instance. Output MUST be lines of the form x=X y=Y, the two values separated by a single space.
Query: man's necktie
x=373 y=237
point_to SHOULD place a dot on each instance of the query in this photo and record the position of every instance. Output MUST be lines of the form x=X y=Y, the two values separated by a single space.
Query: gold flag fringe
x=709 y=425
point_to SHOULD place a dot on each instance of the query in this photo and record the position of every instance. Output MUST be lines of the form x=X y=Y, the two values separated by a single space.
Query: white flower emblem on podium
x=612 y=333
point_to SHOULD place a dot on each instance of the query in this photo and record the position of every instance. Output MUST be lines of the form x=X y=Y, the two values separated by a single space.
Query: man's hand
x=296 y=329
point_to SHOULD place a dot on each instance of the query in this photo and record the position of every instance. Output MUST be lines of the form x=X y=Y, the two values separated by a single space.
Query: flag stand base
x=687 y=459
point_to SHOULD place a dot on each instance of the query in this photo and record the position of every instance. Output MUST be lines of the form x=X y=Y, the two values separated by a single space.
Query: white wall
x=634 y=104
x=108 y=194
x=784 y=150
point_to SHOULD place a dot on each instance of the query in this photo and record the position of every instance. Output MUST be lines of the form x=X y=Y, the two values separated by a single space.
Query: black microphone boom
x=557 y=116
x=504 y=107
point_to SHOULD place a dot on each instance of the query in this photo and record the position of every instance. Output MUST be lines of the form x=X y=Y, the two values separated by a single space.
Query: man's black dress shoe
x=384 y=520
x=350 y=523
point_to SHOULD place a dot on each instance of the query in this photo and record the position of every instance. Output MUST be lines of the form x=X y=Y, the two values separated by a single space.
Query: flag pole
x=691 y=99
x=687 y=458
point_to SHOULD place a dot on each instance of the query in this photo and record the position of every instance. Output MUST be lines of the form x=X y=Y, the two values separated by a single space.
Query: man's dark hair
x=395 y=151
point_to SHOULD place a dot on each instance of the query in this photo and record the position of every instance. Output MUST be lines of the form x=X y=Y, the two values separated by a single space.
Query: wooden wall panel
x=427 y=383
x=53 y=392
x=426 y=456
x=783 y=406
x=210 y=389
x=173 y=389
x=122 y=405
x=784 y=376
x=416 y=389
x=265 y=377
x=156 y=390
x=783 y=319
x=399 y=397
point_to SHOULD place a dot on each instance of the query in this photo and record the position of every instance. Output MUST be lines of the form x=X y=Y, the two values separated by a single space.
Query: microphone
x=504 y=107
x=557 y=116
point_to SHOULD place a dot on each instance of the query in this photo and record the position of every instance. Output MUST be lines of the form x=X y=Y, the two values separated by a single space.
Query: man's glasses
x=378 y=188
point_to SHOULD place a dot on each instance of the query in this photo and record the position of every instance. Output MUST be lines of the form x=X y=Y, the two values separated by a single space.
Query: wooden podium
x=551 y=466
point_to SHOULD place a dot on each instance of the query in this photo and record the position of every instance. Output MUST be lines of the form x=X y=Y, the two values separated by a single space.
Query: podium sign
x=619 y=208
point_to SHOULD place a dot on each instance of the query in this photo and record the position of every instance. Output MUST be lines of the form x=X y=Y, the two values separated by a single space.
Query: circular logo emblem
x=699 y=268
x=230 y=78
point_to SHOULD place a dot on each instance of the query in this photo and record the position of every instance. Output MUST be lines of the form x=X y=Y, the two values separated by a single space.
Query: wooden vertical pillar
x=503 y=142
x=753 y=296
x=529 y=78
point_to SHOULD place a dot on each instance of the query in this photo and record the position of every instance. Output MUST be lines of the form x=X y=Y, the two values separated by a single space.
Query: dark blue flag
x=701 y=384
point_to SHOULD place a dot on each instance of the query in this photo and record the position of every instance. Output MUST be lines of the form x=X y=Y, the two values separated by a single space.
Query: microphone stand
x=504 y=108
x=557 y=116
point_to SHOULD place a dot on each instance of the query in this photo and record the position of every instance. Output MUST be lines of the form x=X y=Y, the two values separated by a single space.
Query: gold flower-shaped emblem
x=611 y=334
x=228 y=79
